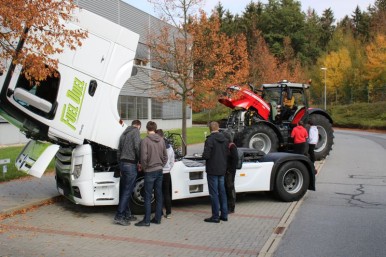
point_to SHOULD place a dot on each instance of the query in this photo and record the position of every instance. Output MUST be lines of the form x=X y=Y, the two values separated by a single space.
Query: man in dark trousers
x=128 y=158
x=233 y=159
x=216 y=153
x=153 y=159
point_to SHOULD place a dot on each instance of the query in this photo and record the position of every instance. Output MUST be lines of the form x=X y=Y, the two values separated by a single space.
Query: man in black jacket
x=128 y=158
x=215 y=153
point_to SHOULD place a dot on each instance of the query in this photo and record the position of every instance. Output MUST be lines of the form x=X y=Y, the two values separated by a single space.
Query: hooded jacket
x=153 y=153
x=129 y=143
x=216 y=154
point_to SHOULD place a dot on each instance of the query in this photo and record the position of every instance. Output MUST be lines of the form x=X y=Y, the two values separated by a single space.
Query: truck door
x=35 y=157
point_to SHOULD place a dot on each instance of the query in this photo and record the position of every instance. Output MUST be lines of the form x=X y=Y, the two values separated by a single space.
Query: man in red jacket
x=300 y=135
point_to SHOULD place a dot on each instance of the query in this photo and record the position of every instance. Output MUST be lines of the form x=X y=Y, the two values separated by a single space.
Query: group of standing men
x=154 y=157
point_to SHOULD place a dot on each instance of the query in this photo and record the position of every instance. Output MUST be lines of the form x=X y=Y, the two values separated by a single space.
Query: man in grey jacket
x=128 y=158
x=153 y=159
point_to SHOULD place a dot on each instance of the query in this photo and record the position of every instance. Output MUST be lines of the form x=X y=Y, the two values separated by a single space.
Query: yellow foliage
x=337 y=63
x=376 y=58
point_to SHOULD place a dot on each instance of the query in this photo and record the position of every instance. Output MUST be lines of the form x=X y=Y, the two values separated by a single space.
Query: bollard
x=4 y=162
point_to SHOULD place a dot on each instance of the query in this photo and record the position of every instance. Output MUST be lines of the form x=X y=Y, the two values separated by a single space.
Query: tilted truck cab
x=81 y=102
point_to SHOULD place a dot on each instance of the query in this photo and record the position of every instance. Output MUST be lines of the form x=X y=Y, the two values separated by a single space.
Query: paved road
x=346 y=216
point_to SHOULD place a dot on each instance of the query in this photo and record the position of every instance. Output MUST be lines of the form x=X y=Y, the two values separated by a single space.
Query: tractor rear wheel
x=260 y=137
x=326 y=136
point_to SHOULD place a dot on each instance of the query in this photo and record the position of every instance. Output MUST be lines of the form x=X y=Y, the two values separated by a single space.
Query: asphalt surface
x=36 y=221
x=346 y=216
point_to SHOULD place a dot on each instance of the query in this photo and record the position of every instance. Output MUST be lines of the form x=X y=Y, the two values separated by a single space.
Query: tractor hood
x=237 y=97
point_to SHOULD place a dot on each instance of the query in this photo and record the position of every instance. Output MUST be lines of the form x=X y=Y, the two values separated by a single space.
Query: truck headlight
x=77 y=170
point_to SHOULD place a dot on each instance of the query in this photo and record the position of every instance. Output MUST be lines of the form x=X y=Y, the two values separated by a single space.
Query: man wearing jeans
x=215 y=153
x=153 y=159
x=128 y=157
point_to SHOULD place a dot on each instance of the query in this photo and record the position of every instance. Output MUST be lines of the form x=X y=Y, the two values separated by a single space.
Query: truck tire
x=326 y=136
x=137 y=203
x=260 y=137
x=292 y=181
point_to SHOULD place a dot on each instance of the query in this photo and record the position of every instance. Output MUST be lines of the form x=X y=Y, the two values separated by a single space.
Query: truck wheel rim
x=260 y=142
x=139 y=194
x=292 y=181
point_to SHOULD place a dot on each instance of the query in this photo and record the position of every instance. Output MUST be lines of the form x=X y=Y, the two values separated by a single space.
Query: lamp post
x=325 y=87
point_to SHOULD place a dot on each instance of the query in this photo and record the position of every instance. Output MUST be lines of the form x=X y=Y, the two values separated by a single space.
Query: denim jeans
x=126 y=186
x=218 y=196
x=153 y=180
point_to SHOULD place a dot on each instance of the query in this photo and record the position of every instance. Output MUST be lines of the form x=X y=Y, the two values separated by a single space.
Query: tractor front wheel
x=260 y=137
x=326 y=136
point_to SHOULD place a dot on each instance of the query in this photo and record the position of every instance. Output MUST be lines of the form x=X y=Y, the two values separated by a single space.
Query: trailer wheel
x=291 y=181
x=137 y=204
x=326 y=136
x=260 y=137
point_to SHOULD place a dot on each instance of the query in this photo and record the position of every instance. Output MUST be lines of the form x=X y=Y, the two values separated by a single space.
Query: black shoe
x=213 y=220
x=153 y=220
x=223 y=219
x=121 y=221
x=142 y=223
x=131 y=218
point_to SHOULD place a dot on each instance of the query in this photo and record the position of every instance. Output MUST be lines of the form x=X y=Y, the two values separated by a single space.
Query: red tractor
x=263 y=119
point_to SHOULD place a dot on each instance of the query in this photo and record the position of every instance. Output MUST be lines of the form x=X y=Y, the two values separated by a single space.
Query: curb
x=4 y=214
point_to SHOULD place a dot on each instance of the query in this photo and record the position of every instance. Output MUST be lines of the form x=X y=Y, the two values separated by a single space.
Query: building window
x=133 y=107
x=156 y=109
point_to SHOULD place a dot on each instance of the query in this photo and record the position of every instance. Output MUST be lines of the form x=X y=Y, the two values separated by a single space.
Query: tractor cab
x=287 y=100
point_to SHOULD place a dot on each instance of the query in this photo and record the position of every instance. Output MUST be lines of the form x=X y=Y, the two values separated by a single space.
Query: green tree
x=280 y=19
x=327 y=23
x=361 y=24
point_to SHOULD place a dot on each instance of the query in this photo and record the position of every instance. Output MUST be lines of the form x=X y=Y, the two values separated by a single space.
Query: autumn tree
x=220 y=60
x=263 y=65
x=193 y=58
x=338 y=64
x=31 y=32
x=376 y=65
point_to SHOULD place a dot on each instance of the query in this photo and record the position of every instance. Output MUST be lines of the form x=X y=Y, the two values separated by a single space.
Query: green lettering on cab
x=71 y=111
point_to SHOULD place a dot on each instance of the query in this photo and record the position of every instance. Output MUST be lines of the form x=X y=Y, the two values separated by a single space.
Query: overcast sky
x=339 y=7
